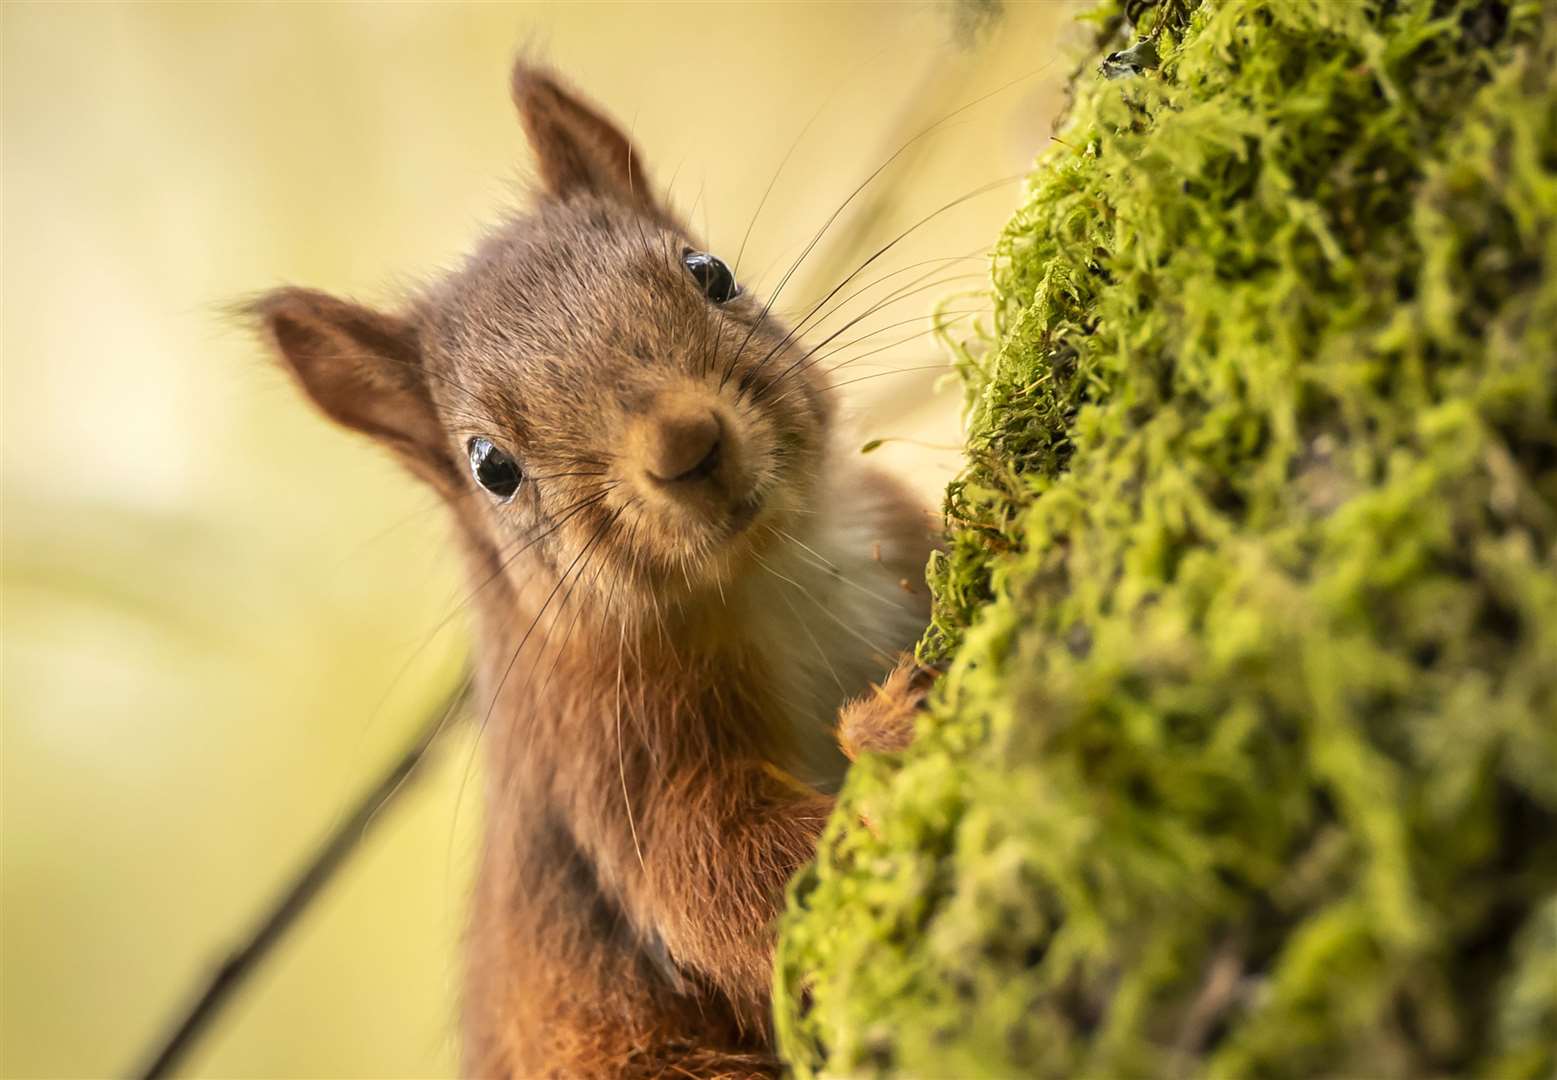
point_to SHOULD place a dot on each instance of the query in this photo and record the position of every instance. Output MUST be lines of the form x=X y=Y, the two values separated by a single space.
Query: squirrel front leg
x=718 y=863
x=715 y=850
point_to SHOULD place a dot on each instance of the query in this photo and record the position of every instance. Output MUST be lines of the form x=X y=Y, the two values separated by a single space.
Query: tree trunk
x=1245 y=761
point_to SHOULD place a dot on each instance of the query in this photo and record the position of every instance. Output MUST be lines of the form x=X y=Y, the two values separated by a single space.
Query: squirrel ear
x=363 y=368
x=577 y=148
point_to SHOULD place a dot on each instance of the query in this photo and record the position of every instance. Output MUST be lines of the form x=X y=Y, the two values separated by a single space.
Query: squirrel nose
x=683 y=445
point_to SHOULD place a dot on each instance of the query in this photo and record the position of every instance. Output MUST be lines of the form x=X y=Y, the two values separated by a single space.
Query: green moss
x=1245 y=760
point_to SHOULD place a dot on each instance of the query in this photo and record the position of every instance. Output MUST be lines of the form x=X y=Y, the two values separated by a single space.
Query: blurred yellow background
x=219 y=613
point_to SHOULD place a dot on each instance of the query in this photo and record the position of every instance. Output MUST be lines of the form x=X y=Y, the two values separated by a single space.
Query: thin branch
x=330 y=855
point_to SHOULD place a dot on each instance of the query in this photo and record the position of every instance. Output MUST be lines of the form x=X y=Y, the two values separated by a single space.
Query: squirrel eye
x=494 y=469
x=711 y=275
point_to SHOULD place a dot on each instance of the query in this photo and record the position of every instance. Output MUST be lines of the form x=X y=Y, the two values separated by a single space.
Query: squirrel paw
x=882 y=719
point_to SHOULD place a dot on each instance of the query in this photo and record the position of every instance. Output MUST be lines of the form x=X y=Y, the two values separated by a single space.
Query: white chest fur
x=832 y=608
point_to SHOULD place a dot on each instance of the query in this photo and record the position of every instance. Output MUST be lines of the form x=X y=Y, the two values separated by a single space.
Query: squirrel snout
x=682 y=445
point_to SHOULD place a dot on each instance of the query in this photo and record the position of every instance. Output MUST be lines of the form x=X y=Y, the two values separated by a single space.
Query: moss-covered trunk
x=1245 y=761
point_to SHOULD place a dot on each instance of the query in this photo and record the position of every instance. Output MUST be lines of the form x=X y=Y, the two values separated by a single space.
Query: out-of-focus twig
x=219 y=987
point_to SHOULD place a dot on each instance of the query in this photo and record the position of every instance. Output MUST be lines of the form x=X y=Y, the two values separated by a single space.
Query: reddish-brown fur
x=645 y=612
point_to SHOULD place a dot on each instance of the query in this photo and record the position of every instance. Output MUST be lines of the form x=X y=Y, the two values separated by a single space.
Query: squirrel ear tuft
x=577 y=149
x=362 y=367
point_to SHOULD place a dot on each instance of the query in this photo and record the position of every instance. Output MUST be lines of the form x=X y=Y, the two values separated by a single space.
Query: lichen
x=1244 y=761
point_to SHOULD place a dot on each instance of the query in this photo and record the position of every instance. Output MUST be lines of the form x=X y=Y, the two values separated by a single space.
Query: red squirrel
x=683 y=586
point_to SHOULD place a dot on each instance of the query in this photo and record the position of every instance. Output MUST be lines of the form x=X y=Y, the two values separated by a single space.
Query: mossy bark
x=1245 y=758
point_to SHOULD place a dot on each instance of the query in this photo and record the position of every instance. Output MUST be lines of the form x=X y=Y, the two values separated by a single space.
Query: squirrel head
x=593 y=392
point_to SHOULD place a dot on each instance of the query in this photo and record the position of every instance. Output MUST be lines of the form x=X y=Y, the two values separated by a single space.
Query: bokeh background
x=222 y=618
